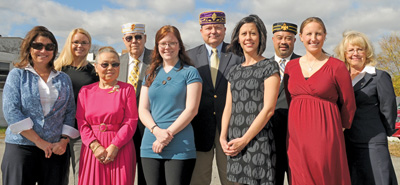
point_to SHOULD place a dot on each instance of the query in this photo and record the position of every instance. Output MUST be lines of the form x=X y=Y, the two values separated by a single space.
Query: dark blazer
x=282 y=103
x=376 y=112
x=279 y=129
x=212 y=102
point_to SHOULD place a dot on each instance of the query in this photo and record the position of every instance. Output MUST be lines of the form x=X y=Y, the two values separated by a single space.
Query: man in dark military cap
x=213 y=63
x=284 y=37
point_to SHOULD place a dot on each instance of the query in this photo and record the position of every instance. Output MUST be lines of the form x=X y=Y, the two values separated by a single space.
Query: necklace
x=310 y=68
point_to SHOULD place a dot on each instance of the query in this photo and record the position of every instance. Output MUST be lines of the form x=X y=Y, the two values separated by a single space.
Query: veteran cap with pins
x=212 y=17
x=133 y=28
x=284 y=26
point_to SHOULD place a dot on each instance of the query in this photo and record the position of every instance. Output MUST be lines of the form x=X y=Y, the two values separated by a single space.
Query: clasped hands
x=57 y=148
x=163 y=138
x=233 y=147
x=104 y=155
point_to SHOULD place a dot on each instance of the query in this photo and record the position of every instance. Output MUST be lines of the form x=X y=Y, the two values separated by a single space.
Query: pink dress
x=118 y=112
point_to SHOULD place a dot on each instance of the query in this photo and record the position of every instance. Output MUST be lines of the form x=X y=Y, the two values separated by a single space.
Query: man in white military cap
x=132 y=70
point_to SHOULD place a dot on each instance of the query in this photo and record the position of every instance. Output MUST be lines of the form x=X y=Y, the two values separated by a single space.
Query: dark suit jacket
x=212 y=102
x=281 y=108
x=124 y=72
x=376 y=112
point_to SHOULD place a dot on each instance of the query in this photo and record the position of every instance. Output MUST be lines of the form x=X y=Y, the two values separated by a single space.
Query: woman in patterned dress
x=246 y=136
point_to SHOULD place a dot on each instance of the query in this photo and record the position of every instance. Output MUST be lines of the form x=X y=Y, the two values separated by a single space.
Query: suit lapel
x=142 y=73
x=223 y=63
x=364 y=81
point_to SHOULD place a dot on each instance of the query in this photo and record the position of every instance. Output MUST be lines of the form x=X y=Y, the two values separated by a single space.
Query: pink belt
x=105 y=127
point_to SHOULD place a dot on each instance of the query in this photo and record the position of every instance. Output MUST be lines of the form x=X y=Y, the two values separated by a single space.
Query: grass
x=2 y=132
x=394 y=148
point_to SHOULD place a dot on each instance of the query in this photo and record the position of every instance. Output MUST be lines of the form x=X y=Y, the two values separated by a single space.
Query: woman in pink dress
x=321 y=103
x=107 y=117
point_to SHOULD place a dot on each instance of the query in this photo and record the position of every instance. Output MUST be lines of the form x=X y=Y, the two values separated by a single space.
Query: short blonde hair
x=358 y=39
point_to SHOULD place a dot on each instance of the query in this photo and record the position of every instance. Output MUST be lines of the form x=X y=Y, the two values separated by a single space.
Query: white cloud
x=374 y=18
x=168 y=7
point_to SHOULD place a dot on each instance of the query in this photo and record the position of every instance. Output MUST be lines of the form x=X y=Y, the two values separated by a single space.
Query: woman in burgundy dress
x=321 y=103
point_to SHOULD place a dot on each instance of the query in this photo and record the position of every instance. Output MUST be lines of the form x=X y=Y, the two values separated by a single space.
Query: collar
x=131 y=59
x=53 y=73
x=176 y=66
x=277 y=59
x=209 y=48
x=367 y=69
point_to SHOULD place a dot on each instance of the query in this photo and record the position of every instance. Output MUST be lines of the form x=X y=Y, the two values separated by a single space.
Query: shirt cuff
x=22 y=125
x=70 y=131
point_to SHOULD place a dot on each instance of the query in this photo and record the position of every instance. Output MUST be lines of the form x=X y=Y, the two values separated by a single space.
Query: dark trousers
x=279 y=129
x=26 y=165
x=168 y=171
x=137 y=140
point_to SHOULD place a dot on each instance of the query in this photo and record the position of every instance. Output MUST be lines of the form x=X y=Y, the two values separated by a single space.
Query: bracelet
x=95 y=148
x=152 y=128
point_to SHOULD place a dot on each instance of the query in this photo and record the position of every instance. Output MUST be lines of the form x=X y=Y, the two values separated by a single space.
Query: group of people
x=319 y=119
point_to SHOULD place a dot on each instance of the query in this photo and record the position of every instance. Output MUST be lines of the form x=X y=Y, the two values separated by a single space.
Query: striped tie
x=282 y=66
x=134 y=75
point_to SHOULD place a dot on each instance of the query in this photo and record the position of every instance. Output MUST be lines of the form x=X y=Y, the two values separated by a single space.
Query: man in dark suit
x=284 y=37
x=207 y=123
x=132 y=70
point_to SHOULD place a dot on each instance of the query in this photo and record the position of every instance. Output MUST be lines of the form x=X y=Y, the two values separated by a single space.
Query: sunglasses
x=47 y=47
x=130 y=37
x=105 y=64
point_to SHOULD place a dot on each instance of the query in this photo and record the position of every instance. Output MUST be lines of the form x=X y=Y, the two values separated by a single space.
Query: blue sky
x=103 y=18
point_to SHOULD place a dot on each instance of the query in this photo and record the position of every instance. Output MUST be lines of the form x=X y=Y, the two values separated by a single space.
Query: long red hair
x=157 y=60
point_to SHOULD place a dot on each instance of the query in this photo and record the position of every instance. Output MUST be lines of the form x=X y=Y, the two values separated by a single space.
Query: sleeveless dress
x=255 y=164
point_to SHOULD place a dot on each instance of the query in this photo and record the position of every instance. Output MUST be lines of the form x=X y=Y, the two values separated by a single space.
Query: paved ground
x=215 y=179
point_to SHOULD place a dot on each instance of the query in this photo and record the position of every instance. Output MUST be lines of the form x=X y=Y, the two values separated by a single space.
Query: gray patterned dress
x=255 y=164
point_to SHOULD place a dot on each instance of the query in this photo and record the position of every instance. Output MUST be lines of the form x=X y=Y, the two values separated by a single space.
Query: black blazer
x=376 y=112
x=212 y=102
x=281 y=108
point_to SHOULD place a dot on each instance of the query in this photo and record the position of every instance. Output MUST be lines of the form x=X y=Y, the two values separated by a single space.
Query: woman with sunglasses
x=169 y=100
x=72 y=61
x=107 y=119
x=38 y=105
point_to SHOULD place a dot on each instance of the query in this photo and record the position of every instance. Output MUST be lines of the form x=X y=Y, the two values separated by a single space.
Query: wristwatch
x=63 y=137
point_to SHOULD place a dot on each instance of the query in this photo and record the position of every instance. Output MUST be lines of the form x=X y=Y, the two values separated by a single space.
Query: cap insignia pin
x=214 y=16
x=284 y=27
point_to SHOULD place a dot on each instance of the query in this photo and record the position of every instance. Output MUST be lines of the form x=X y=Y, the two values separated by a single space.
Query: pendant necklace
x=310 y=68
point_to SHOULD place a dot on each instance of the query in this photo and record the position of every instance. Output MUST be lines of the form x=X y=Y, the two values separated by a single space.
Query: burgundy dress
x=318 y=109
x=118 y=112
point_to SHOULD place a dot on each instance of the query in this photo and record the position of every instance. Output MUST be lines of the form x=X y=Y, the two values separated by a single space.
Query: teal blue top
x=167 y=96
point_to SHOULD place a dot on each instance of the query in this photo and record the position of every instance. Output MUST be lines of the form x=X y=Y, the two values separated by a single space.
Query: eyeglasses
x=39 y=46
x=83 y=43
x=130 y=37
x=105 y=65
x=171 y=44
x=352 y=51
